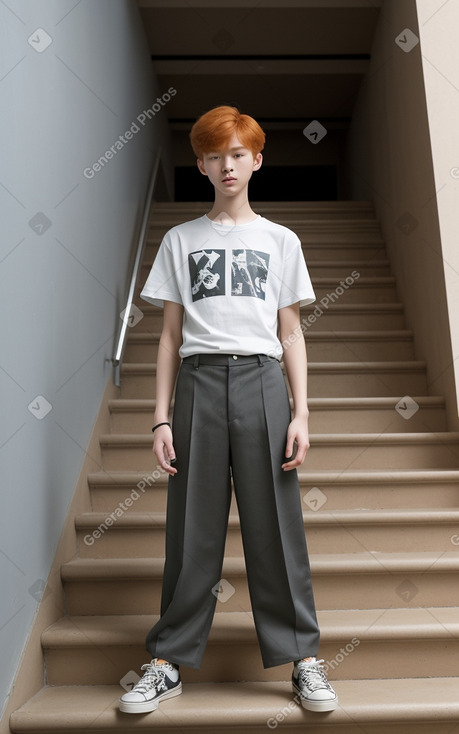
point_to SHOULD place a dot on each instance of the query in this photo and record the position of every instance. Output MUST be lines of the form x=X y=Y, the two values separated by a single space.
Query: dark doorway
x=270 y=183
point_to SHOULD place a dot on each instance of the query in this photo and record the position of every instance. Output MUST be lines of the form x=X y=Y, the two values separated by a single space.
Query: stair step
x=407 y=706
x=355 y=208
x=338 y=269
x=325 y=379
x=295 y=220
x=103 y=649
x=316 y=246
x=322 y=346
x=356 y=316
x=333 y=451
x=363 y=290
x=126 y=532
x=341 y=490
x=133 y=585
x=347 y=415
x=315 y=225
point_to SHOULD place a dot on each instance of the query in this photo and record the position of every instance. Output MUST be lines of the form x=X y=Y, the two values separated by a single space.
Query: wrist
x=303 y=414
x=158 y=425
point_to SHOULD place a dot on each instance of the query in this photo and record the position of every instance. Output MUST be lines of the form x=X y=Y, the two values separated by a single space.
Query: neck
x=236 y=208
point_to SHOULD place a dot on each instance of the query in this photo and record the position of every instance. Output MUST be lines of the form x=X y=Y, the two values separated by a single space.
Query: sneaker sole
x=318 y=706
x=147 y=706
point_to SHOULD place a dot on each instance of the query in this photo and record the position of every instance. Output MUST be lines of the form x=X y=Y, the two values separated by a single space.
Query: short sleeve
x=161 y=284
x=296 y=284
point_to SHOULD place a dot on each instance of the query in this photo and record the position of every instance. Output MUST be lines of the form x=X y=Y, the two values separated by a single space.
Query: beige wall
x=390 y=162
x=438 y=26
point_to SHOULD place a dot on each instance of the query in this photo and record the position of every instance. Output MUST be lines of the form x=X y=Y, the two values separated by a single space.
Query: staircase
x=380 y=489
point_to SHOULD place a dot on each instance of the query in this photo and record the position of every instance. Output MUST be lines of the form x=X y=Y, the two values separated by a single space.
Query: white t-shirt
x=231 y=281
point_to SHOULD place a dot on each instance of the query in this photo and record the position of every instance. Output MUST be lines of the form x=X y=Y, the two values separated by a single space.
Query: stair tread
x=425 y=401
x=214 y=705
x=237 y=627
x=323 y=563
x=117 y=477
x=149 y=520
x=342 y=439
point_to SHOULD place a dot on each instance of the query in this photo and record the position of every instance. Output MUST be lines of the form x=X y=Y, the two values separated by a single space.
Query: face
x=230 y=169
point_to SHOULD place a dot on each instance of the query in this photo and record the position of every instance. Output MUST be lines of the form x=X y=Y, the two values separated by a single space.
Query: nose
x=227 y=167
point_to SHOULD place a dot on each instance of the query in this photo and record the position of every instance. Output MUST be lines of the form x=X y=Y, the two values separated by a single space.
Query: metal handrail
x=125 y=320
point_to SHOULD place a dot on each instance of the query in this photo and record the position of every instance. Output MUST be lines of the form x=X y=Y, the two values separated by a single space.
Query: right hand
x=163 y=449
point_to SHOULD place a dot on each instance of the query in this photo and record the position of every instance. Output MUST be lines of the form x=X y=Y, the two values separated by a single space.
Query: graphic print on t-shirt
x=249 y=272
x=207 y=273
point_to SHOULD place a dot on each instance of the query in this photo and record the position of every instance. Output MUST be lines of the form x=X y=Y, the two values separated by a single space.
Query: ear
x=200 y=165
x=257 y=161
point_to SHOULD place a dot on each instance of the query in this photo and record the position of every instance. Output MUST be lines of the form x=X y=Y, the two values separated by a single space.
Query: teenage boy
x=231 y=284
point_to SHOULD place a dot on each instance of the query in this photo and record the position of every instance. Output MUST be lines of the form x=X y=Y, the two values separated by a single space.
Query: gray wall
x=65 y=246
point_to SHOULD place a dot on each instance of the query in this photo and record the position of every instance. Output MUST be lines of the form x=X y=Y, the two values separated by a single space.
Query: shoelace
x=152 y=678
x=312 y=675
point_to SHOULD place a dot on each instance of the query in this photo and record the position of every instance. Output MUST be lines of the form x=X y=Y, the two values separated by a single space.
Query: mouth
x=229 y=179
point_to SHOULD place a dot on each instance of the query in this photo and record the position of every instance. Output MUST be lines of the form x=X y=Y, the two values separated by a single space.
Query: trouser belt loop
x=260 y=363
x=196 y=361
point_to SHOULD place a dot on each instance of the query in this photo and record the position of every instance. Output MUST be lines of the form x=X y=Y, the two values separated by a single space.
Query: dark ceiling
x=279 y=62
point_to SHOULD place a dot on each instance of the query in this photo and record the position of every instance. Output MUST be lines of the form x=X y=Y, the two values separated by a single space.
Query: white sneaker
x=160 y=681
x=311 y=683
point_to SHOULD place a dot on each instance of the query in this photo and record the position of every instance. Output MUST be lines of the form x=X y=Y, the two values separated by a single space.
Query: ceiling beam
x=256 y=65
x=257 y=4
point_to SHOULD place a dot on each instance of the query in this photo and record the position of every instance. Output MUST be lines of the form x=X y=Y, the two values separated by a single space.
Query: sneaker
x=161 y=680
x=310 y=682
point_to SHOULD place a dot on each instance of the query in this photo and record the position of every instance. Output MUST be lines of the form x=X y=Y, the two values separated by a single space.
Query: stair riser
x=320 y=269
x=323 y=421
x=358 y=293
x=340 y=384
x=321 y=320
x=344 y=235
x=326 y=227
x=384 y=496
x=346 y=350
x=362 y=724
x=324 y=215
x=331 y=591
x=337 y=496
x=326 y=251
x=334 y=538
x=334 y=350
x=106 y=665
x=319 y=457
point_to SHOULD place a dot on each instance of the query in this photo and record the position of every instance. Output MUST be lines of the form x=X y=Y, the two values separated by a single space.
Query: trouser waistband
x=226 y=360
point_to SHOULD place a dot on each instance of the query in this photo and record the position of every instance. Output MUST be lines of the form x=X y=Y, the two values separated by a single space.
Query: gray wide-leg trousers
x=234 y=412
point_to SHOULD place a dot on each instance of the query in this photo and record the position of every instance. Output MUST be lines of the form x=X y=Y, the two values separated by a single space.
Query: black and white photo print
x=207 y=273
x=249 y=272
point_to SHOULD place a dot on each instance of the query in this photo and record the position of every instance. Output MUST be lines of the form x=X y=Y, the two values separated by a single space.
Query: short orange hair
x=215 y=128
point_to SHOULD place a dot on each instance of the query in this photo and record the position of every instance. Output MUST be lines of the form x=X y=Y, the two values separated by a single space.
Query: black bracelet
x=165 y=423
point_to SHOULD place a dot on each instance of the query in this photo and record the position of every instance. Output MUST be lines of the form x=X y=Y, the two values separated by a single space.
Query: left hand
x=298 y=433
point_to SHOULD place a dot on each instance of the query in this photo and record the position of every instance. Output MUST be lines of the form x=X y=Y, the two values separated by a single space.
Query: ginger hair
x=213 y=130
